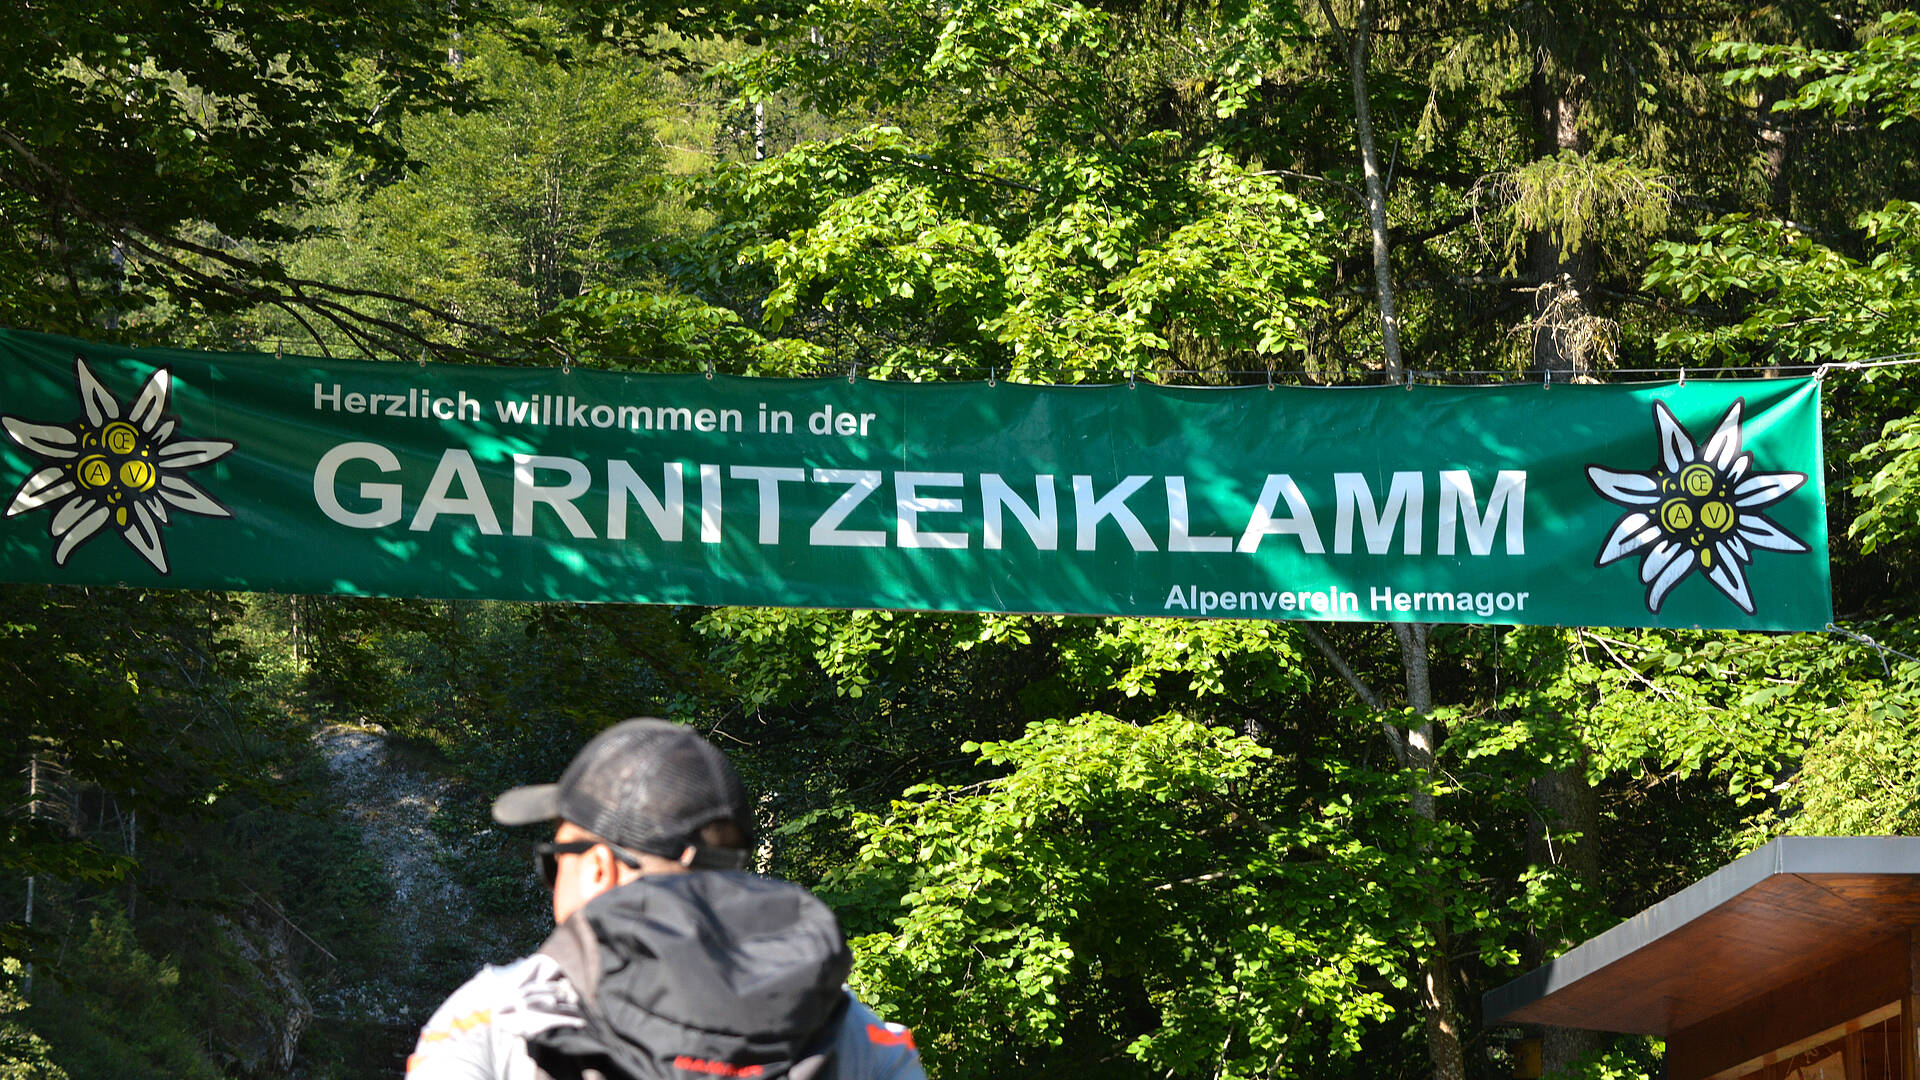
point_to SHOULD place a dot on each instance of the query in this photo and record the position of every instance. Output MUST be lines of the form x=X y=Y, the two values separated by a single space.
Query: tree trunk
x=1357 y=44
x=1564 y=804
x=1777 y=144
x=1777 y=147
x=130 y=833
x=33 y=810
x=1419 y=742
x=296 y=639
x=1442 y=1015
x=1563 y=273
x=1562 y=276
x=456 y=650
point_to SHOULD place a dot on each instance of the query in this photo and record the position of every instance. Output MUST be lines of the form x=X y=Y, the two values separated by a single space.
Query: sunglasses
x=546 y=857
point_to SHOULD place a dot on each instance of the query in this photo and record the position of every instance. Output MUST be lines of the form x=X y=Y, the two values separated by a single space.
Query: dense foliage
x=1094 y=847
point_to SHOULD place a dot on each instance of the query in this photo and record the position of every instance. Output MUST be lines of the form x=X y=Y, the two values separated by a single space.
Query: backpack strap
x=574 y=947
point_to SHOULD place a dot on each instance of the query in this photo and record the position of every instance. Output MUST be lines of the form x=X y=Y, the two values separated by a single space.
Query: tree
x=500 y=215
x=142 y=157
x=1115 y=838
x=1580 y=140
x=1285 y=913
x=1108 y=242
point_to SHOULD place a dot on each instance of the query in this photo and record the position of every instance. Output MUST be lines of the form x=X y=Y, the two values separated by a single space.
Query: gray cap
x=644 y=784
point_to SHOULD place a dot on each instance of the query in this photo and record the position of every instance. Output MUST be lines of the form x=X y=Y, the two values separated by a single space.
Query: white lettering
x=526 y=491
x=386 y=497
x=456 y=465
x=1042 y=525
x=666 y=513
x=1406 y=500
x=909 y=505
x=1178 y=536
x=769 y=478
x=1299 y=520
x=829 y=422
x=826 y=532
x=1089 y=512
x=1458 y=505
x=709 y=504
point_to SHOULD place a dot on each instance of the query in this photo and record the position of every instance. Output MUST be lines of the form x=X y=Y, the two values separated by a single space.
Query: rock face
x=393 y=806
x=262 y=939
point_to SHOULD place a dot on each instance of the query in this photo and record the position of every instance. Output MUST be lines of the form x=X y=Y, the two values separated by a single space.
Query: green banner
x=1695 y=504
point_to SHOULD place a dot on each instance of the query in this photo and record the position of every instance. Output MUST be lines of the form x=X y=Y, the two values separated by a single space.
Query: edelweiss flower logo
x=1699 y=508
x=108 y=467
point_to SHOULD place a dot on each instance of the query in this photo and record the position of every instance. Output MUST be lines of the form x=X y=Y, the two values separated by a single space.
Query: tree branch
x=1356 y=44
x=1366 y=693
x=1360 y=688
x=252 y=277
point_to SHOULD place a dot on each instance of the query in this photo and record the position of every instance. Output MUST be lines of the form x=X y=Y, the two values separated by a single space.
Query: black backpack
x=705 y=974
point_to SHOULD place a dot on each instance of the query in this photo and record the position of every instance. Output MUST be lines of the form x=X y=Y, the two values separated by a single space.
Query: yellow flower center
x=120 y=466
x=138 y=475
x=1697 y=508
x=121 y=438
x=1676 y=515
x=1717 y=515
x=95 y=472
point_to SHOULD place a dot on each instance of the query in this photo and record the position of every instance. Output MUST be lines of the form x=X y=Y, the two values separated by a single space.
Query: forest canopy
x=1170 y=847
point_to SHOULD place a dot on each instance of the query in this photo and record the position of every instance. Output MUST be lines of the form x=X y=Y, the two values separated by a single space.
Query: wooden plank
x=1773 y=916
x=1895 y=896
x=1909 y=1027
x=1781 y=930
x=1910 y=1011
x=1878 y=978
x=1775 y=1062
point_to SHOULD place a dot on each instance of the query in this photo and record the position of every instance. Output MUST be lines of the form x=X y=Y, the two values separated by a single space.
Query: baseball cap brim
x=528 y=805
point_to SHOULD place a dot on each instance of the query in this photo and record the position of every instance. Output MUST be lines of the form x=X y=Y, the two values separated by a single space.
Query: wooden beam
x=1902 y=1049
x=1821 y=1007
x=1910 y=1011
x=1775 y=1061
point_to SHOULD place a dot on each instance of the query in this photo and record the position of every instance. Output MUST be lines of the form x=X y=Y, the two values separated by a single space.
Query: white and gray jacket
x=684 y=976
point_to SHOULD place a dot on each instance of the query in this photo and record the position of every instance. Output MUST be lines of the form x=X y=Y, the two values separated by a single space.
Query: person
x=668 y=959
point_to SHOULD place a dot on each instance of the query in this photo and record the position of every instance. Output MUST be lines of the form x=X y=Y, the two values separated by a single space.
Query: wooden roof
x=1777 y=915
